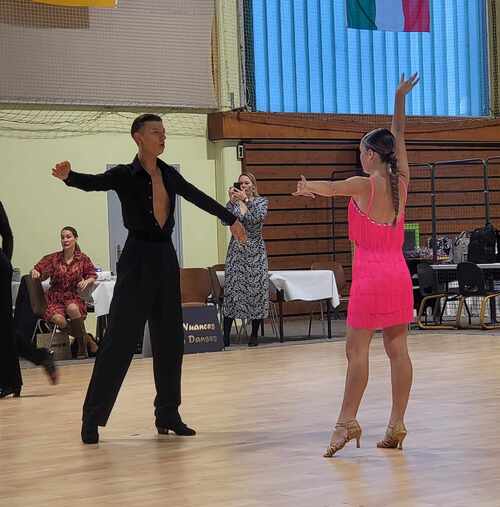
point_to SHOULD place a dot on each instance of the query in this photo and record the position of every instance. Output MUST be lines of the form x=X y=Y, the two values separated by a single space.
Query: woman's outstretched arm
x=354 y=187
x=398 y=123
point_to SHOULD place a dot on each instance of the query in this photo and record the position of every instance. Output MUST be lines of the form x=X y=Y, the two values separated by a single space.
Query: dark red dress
x=64 y=280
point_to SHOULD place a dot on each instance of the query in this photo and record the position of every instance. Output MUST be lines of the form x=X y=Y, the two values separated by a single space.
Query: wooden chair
x=195 y=286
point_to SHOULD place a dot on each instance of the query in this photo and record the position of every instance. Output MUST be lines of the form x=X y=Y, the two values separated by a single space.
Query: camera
x=237 y=185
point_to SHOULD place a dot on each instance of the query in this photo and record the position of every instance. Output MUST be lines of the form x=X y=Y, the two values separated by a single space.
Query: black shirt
x=133 y=185
x=6 y=233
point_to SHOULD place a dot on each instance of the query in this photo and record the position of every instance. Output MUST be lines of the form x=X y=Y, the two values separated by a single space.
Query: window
x=303 y=58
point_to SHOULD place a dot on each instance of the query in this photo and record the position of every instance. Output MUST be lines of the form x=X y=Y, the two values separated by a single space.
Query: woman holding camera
x=246 y=285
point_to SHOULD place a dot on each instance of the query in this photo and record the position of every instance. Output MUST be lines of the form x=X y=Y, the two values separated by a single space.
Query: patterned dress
x=64 y=279
x=246 y=285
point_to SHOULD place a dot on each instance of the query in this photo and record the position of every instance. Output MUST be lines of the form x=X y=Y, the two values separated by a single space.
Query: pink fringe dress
x=381 y=293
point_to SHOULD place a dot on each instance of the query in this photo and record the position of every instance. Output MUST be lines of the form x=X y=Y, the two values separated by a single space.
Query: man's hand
x=238 y=231
x=61 y=170
x=35 y=274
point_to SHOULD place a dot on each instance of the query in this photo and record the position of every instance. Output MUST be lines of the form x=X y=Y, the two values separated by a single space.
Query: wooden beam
x=248 y=126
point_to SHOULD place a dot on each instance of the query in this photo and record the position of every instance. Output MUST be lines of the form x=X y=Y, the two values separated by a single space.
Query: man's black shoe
x=90 y=435
x=177 y=426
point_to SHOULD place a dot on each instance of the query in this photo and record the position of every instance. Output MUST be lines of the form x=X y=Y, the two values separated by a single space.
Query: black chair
x=434 y=296
x=471 y=283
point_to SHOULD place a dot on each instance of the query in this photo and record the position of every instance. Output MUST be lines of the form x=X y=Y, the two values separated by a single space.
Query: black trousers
x=10 y=373
x=147 y=289
x=14 y=342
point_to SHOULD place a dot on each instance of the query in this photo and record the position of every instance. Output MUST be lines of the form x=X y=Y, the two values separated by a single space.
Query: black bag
x=482 y=245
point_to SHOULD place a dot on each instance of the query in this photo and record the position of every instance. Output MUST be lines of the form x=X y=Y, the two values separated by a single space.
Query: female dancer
x=376 y=226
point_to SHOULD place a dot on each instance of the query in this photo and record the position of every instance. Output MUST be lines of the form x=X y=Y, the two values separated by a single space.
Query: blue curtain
x=307 y=60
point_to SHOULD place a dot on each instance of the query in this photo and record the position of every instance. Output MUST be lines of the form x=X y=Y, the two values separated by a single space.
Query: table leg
x=281 y=298
x=493 y=303
x=329 y=317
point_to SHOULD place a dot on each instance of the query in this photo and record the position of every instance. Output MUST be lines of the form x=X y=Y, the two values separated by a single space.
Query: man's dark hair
x=139 y=122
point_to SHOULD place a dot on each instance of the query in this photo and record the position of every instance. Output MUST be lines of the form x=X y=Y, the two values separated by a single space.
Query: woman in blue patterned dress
x=246 y=285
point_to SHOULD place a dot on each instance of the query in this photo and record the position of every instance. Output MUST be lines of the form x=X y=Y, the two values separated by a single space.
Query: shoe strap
x=351 y=427
x=398 y=425
x=347 y=424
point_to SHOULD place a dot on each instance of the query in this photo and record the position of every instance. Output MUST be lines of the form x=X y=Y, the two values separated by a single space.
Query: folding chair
x=471 y=283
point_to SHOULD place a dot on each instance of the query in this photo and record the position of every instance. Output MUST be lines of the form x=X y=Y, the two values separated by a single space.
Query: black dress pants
x=147 y=289
x=10 y=373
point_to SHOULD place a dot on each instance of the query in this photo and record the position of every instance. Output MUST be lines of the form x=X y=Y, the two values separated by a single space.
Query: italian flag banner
x=389 y=15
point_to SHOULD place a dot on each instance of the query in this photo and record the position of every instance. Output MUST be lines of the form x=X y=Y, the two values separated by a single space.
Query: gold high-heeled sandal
x=352 y=430
x=394 y=437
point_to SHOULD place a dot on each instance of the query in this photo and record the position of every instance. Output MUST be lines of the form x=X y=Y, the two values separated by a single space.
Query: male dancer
x=148 y=282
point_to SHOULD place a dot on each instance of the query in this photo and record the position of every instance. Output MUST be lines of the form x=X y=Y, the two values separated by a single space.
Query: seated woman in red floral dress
x=70 y=272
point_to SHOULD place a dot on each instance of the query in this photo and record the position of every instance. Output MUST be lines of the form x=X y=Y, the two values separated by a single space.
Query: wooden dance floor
x=264 y=418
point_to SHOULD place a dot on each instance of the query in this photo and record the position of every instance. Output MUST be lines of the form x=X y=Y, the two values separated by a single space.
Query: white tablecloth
x=304 y=285
x=307 y=285
x=100 y=294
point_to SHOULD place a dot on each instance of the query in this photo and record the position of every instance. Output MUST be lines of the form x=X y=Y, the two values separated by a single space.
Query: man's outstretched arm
x=87 y=182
